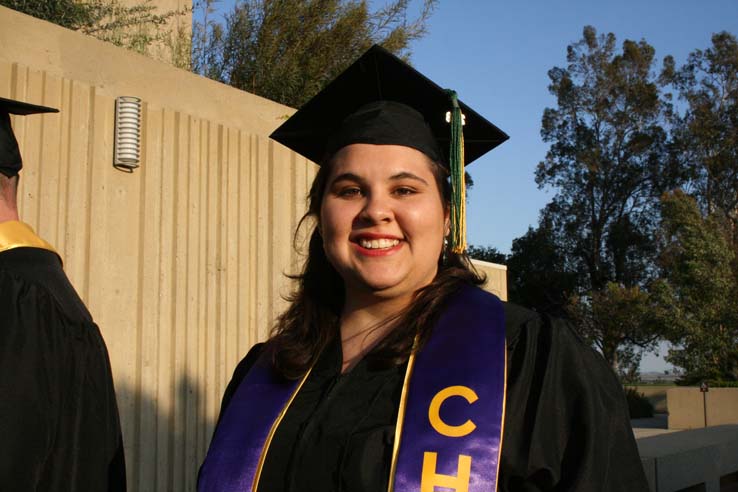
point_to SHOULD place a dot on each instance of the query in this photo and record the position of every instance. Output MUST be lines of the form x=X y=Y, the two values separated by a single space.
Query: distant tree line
x=640 y=240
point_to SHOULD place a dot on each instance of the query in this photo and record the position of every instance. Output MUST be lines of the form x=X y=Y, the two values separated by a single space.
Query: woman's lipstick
x=376 y=244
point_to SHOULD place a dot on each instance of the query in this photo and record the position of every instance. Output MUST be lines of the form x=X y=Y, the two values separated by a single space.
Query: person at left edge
x=59 y=423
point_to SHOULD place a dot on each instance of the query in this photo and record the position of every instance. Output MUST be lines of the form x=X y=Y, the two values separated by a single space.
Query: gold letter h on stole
x=429 y=479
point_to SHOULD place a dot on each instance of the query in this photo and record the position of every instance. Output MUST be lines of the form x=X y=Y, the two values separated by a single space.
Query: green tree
x=623 y=323
x=538 y=276
x=287 y=50
x=606 y=165
x=137 y=27
x=700 y=230
x=705 y=133
x=486 y=253
x=66 y=13
x=698 y=294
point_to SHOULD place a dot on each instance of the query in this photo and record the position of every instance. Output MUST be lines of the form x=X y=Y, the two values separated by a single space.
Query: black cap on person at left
x=10 y=158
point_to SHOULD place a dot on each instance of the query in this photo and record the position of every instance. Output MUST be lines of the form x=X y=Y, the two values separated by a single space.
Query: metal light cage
x=127 y=146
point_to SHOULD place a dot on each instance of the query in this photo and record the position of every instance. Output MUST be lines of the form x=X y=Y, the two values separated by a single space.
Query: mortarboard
x=380 y=99
x=10 y=158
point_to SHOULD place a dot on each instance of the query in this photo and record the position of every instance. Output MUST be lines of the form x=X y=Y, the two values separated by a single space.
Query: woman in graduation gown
x=391 y=369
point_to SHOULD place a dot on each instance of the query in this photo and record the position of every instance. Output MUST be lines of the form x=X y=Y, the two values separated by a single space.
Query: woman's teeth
x=378 y=243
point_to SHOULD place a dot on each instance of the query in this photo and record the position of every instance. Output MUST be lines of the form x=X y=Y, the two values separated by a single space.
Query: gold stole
x=16 y=234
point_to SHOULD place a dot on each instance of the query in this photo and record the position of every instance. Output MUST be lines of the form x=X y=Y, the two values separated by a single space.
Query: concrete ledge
x=677 y=460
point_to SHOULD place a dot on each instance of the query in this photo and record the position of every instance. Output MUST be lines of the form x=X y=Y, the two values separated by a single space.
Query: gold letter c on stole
x=429 y=479
x=434 y=410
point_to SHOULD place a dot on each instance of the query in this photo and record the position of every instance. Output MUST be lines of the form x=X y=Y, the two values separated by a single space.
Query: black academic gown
x=566 y=421
x=59 y=425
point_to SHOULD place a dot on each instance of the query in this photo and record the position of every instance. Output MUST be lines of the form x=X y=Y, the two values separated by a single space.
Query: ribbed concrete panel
x=181 y=262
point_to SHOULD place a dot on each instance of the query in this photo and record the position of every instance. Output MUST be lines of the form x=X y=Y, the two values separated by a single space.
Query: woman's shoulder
x=249 y=360
x=240 y=372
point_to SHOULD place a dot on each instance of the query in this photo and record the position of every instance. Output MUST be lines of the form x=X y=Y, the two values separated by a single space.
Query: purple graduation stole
x=449 y=425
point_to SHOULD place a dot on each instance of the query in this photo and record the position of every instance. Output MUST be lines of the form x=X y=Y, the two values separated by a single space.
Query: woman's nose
x=377 y=209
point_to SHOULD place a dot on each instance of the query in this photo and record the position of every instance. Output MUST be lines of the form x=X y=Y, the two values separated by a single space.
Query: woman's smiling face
x=382 y=219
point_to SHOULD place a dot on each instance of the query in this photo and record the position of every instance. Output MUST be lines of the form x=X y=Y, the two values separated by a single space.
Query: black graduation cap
x=381 y=99
x=10 y=158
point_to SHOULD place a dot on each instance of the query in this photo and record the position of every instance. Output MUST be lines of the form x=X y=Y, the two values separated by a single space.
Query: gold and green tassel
x=457 y=239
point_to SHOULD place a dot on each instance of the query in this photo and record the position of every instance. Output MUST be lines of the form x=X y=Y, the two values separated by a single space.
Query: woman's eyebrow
x=347 y=177
x=407 y=175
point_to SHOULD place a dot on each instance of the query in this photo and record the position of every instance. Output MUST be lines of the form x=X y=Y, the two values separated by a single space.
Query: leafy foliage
x=722 y=384
x=699 y=291
x=287 y=50
x=699 y=251
x=604 y=161
x=705 y=136
x=66 y=13
x=594 y=243
x=638 y=405
x=538 y=276
x=637 y=259
x=486 y=253
x=621 y=322
x=138 y=27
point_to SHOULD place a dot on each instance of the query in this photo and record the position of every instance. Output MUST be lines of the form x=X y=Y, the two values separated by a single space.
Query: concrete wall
x=180 y=262
x=496 y=277
x=688 y=409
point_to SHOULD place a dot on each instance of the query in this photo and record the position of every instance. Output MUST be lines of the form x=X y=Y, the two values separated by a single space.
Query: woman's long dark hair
x=313 y=317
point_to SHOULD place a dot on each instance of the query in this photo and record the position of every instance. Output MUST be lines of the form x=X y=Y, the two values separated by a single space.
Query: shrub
x=722 y=384
x=638 y=405
x=712 y=383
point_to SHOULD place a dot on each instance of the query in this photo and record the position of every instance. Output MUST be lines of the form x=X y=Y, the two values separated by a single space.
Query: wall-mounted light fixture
x=127 y=147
